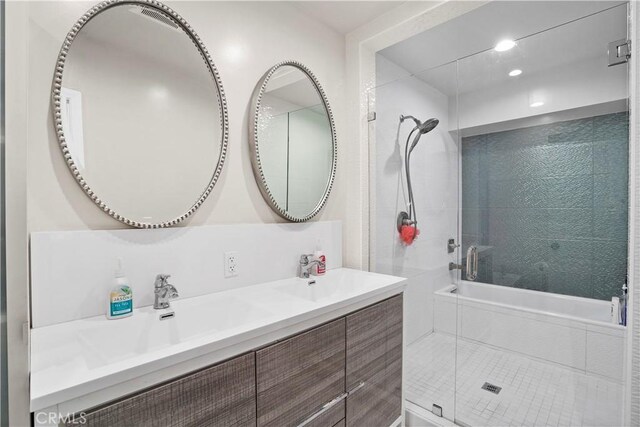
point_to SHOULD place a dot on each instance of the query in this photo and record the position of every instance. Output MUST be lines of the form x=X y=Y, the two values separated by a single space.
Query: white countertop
x=93 y=360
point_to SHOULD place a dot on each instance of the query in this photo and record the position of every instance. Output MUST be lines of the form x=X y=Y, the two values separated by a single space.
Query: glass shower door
x=544 y=205
x=431 y=94
x=4 y=412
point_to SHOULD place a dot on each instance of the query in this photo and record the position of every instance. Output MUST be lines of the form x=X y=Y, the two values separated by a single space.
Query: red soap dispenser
x=319 y=269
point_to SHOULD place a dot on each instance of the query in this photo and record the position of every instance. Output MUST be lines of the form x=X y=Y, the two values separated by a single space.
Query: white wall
x=434 y=174
x=245 y=39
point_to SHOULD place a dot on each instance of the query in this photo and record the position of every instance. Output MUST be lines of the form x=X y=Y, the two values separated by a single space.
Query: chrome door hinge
x=371 y=106
x=619 y=52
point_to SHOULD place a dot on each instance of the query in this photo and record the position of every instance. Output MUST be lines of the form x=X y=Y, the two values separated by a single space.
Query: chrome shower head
x=428 y=126
x=423 y=128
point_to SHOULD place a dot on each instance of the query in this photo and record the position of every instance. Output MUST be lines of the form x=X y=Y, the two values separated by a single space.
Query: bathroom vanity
x=290 y=353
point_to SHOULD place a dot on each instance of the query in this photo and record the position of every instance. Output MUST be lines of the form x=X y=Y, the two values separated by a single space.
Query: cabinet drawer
x=366 y=344
x=221 y=395
x=296 y=377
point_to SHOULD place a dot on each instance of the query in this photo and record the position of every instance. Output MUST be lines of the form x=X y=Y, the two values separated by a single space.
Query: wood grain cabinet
x=222 y=395
x=298 y=376
x=345 y=373
x=351 y=368
x=374 y=364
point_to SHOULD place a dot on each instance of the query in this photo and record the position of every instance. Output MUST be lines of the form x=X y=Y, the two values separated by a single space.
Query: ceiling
x=346 y=16
x=480 y=29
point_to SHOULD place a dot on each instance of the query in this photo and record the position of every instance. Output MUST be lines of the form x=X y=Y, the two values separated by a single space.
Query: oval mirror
x=140 y=112
x=293 y=141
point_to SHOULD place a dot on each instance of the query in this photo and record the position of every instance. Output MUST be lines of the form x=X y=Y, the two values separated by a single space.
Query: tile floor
x=534 y=393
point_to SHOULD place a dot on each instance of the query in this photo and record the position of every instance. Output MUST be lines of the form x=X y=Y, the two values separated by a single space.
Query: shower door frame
x=631 y=414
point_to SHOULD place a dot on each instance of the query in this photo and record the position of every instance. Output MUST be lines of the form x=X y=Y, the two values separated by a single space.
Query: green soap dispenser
x=120 y=301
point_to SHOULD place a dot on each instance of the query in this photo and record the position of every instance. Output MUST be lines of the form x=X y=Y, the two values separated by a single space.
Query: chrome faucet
x=164 y=291
x=305 y=265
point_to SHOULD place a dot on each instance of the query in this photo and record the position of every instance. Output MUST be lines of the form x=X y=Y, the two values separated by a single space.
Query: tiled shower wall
x=547 y=205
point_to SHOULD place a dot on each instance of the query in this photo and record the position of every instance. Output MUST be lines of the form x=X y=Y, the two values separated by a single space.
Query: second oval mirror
x=293 y=142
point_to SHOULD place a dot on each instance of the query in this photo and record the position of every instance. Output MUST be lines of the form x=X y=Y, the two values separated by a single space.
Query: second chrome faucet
x=306 y=264
x=164 y=291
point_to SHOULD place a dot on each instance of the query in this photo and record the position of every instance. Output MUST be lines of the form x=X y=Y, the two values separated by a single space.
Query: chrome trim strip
x=331 y=404
x=324 y=409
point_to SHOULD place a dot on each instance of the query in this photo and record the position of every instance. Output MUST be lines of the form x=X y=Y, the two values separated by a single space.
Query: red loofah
x=408 y=234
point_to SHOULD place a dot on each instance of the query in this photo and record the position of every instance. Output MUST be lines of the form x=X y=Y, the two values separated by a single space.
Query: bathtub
x=570 y=331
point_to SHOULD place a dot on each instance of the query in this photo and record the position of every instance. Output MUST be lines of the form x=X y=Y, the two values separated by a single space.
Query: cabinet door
x=296 y=377
x=393 y=372
x=223 y=395
x=374 y=364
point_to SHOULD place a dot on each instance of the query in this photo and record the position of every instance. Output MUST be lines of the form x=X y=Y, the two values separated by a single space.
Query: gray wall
x=550 y=204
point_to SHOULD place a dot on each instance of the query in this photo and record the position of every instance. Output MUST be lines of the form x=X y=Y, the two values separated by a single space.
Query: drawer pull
x=331 y=404
x=324 y=409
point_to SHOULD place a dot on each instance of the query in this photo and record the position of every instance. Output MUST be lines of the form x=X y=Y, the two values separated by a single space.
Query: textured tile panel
x=543 y=197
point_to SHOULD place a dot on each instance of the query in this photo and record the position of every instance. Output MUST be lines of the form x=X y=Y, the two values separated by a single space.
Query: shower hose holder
x=403 y=219
x=407 y=228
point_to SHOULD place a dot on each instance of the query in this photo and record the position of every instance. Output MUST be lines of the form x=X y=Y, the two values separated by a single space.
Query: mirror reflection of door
x=295 y=141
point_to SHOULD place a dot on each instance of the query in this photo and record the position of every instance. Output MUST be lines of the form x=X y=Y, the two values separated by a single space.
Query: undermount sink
x=105 y=341
x=321 y=288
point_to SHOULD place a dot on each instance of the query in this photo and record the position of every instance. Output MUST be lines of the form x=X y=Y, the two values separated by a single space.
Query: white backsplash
x=72 y=271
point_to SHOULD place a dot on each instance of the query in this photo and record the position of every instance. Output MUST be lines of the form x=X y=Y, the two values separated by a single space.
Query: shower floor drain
x=492 y=388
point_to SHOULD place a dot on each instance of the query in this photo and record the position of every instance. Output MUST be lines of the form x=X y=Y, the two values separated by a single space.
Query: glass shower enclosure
x=515 y=306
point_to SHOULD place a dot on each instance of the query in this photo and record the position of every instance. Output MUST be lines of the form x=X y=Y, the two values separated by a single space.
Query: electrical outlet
x=230 y=264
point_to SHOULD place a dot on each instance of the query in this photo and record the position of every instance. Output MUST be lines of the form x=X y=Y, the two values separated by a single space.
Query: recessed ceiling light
x=515 y=72
x=504 y=45
x=536 y=104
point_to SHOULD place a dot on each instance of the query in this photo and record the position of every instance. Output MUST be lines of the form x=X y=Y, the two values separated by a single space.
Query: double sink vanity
x=280 y=353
